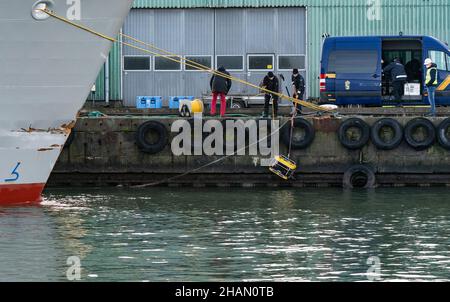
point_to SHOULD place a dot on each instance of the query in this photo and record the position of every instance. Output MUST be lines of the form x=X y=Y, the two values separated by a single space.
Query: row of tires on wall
x=152 y=137
x=418 y=133
x=429 y=134
x=353 y=134
x=160 y=136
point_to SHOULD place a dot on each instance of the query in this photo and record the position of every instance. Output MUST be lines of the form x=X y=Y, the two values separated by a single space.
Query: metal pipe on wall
x=107 y=81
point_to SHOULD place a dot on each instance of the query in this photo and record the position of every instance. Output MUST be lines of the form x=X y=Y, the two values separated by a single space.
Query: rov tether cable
x=170 y=56
x=201 y=67
x=192 y=64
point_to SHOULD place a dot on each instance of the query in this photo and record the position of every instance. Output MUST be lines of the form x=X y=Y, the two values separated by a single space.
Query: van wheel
x=238 y=105
x=420 y=133
x=354 y=133
x=152 y=137
x=302 y=136
x=387 y=134
x=444 y=134
x=359 y=176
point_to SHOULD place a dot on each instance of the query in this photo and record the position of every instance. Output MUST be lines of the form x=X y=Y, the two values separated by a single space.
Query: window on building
x=166 y=64
x=136 y=63
x=289 y=62
x=439 y=58
x=260 y=62
x=230 y=62
x=202 y=60
x=353 y=61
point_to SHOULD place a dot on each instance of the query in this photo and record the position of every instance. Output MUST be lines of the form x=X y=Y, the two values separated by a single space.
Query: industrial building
x=250 y=37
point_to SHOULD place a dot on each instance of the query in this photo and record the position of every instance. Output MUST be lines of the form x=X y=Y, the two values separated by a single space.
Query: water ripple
x=230 y=235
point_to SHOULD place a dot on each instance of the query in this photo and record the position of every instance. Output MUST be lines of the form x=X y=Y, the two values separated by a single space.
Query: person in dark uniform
x=398 y=78
x=298 y=86
x=271 y=83
x=413 y=70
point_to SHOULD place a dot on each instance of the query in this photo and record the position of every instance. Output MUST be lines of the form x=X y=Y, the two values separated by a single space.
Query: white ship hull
x=46 y=71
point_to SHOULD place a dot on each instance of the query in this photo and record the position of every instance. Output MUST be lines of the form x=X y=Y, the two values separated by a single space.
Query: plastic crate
x=148 y=102
x=174 y=101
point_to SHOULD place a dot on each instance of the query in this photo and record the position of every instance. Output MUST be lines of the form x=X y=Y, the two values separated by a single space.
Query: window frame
x=353 y=71
x=136 y=70
x=167 y=70
x=243 y=62
x=447 y=56
x=447 y=67
x=290 y=55
x=196 y=70
x=260 y=55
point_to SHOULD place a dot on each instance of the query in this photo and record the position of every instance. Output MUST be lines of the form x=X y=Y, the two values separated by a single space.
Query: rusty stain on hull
x=64 y=129
x=45 y=149
x=326 y=124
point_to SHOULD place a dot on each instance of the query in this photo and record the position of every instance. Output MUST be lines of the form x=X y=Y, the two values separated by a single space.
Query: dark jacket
x=433 y=74
x=413 y=70
x=299 y=83
x=272 y=85
x=397 y=71
x=220 y=84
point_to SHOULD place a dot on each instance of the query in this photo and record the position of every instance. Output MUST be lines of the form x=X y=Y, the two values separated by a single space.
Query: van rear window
x=361 y=61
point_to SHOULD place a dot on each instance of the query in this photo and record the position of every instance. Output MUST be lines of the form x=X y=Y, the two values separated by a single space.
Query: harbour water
x=178 y=234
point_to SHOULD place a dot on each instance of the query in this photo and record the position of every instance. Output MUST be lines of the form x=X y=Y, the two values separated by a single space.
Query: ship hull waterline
x=47 y=69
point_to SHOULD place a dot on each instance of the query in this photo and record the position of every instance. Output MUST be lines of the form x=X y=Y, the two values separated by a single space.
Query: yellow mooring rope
x=170 y=56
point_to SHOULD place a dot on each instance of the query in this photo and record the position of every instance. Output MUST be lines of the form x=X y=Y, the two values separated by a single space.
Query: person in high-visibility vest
x=431 y=81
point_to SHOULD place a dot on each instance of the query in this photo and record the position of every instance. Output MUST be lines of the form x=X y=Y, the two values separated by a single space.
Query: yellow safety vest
x=428 y=78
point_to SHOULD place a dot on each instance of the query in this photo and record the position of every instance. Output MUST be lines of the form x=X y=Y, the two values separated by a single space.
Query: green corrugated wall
x=335 y=17
x=115 y=77
x=414 y=17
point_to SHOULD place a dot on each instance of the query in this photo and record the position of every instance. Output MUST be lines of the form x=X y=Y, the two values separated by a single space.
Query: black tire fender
x=412 y=126
x=359 y=176
x=306 y=141
x=443 y=139
x=379 y=142
x=354 y=123
x=141 y=137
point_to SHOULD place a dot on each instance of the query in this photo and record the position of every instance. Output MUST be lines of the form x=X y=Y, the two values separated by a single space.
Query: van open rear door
x=354 y=69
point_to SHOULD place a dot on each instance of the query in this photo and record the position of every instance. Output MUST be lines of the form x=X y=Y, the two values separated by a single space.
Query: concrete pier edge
x=104 y=153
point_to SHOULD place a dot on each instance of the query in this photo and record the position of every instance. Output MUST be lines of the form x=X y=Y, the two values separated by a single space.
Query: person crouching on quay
x=298 y=86
x=220 y=86
x=271 y=83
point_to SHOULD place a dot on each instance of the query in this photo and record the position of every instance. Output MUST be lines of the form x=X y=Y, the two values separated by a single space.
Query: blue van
x=352 y=69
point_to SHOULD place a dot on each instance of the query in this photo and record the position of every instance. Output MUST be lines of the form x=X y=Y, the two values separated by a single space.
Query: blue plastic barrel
x=174 y=101
x=148 y=102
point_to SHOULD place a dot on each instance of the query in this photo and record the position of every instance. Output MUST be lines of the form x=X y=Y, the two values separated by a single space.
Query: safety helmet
x=428 y=61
